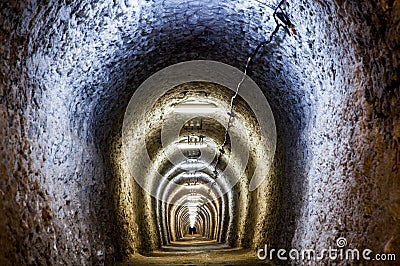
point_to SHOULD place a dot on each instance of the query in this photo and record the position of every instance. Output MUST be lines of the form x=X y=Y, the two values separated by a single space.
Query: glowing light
x=192 y=205
x=192 y=221
x=195 y=107
x=192 y=210
x=194 y=198
x=192 y=165
x=185 y=145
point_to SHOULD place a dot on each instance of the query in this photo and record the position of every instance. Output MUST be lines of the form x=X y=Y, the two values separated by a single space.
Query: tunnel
x=166 y=132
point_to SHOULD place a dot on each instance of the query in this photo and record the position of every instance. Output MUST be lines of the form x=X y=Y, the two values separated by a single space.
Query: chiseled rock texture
x=69 y=68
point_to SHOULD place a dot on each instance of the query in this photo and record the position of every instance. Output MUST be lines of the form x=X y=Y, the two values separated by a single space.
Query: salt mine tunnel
x=132 y=132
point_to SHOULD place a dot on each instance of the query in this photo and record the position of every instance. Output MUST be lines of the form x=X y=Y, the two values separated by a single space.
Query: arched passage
x=69 y=68
x=179 y=148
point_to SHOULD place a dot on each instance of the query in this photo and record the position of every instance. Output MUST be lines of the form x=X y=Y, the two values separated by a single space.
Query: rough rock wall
x=352 y=138
x=56 y=197
x=67 y=71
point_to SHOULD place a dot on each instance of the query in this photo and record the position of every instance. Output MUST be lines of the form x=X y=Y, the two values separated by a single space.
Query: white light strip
x=192 y=210
x=185 y=145
x=192 y=107
x=193 y=204
x=194 y=198
x=192 y=164
x=192 y=219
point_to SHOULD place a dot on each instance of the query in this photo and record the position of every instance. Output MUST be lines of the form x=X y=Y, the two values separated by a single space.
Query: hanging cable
x=281 y=20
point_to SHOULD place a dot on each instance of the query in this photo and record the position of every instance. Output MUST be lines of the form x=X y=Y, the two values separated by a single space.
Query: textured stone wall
x=68 y=69
x=353 y=181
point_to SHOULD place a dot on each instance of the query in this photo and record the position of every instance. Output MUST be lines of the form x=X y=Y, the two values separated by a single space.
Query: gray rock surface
x=69 y=68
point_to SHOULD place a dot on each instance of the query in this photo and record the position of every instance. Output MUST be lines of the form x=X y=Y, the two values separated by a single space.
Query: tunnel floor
x=197 y=250
x=194 y=243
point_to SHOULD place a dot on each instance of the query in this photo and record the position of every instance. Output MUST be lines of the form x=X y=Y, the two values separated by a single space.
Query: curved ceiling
x=69 y=69
x=188 y=138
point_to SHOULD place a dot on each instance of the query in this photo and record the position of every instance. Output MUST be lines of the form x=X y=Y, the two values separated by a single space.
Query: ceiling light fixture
x=195 y=107
x=185 y=145
x=192 y=142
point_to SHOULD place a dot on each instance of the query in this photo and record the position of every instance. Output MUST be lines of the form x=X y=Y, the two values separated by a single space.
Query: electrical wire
x=248 y=63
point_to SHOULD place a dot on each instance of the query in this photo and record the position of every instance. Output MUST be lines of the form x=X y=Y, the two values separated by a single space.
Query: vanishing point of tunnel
x=200 y=132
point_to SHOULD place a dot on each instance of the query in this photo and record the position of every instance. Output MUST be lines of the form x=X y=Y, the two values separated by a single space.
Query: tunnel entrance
x=192 y=230
x=197 y=147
